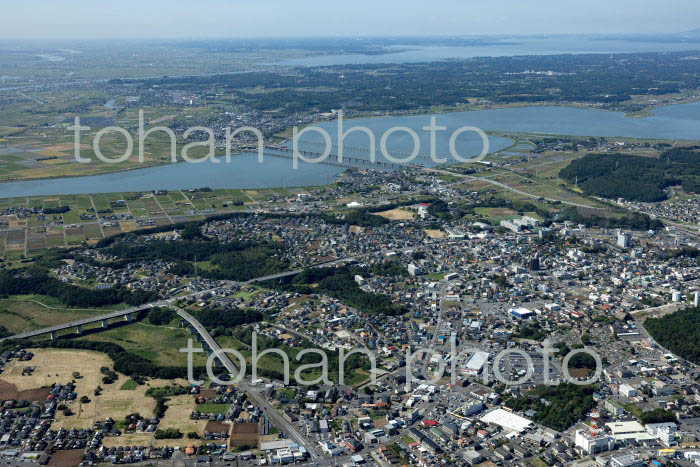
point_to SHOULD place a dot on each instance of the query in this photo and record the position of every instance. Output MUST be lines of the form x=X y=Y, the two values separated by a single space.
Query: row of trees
x=58 y=210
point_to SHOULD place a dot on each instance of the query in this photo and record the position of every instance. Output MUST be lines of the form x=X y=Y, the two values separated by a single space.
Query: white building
x=521 y=313
x=627 y=390
x=593 y=444
x=414 y=270
x=507 y=420
x=624 y=240
x=665 y=432
x=511 y=226
x=628 y=430
x=476 y=362
x=628 y=460
x=473 y=407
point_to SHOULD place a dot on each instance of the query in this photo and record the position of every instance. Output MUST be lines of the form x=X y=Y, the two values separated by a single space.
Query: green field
x=28 y=312
x=129 y=385
x=213 y=408
x=159 y=344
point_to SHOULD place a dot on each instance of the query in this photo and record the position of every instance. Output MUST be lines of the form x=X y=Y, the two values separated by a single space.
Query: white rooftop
x=507 y=420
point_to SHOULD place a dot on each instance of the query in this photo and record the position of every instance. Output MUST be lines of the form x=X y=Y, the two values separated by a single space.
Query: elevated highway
x=126 y=315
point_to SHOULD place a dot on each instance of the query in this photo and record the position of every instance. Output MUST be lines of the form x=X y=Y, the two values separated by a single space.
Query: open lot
x=397 y=214
x=59 y=365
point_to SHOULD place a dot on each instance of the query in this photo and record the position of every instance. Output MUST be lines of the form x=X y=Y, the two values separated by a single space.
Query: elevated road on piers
x=78 y=325
x=278 y=420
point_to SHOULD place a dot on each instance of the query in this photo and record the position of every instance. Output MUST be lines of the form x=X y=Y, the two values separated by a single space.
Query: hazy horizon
x=220 y=19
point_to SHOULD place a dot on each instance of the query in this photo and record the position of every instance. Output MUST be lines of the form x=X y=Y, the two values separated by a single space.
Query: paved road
x=506 y=187
x=294 y=272
x=278 y=420
x=271 y=412
x=75 y=324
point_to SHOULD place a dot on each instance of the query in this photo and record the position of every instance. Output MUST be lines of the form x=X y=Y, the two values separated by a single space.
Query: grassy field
x=176 y=416
x=159 y=344
x=496 y=215
x=59 y=366
x=28 y=312
x=213 y=408
x=432 y=233
x=129 y=385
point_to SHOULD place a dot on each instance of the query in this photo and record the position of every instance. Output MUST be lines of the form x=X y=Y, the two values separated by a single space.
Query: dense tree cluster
x=168 y=433
x=340 y=284
x=629 y=220
x=439 y=209
x=678 y=332
x=533 y=332
x=682 y=252
x=223 y=322
x=232 y=260
x=161 y=316
x=557 y=407
x=657 y=416
x=635 y=178
x=362 y=217
x=37 y=281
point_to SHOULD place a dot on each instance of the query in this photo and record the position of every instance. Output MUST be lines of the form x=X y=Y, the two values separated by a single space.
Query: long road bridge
x=126 y=315
x=347 y=162
x=365 y=150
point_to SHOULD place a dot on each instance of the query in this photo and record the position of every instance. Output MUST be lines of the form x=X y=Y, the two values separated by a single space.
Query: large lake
x=501 y=47
x=673 y=122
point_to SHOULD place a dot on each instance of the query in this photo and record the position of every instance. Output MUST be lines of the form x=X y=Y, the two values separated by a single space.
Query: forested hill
x=635 y=178
x=678 y=332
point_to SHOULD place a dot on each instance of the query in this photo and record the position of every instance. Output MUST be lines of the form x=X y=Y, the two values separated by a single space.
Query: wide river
x=680 y=122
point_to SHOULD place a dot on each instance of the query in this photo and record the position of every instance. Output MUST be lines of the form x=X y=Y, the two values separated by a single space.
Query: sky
x=65 y=19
